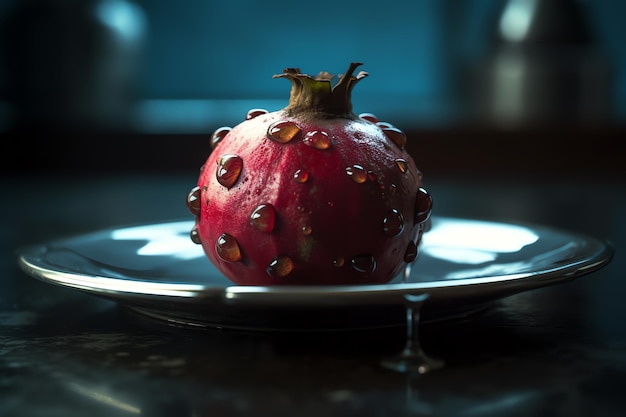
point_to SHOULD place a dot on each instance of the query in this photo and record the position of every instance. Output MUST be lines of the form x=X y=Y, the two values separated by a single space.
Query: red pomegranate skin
x=339 y=203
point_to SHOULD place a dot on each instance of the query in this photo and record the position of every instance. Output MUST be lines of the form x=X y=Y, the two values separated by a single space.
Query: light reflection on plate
x=477 y=242
x=464 y=264
x=170 y=241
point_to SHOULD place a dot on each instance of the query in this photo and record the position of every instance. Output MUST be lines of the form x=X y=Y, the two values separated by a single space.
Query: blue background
x=198 y=52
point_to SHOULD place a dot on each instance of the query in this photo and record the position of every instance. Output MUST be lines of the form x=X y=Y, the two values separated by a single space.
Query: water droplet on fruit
x=252 y=113
x=263 y=218
x=406 y=274
x=301 y=176
x=227 y=248
x=283 y=132
x=338 y=262
x=384 y=125
x=393 y=223
x=402 y=165
x=317 y=139
x=357 y=173
x=396 y=136
x=364 y=263
x=195 y=236
x=423 y=206
x=411 y=252
x=280 y=267
x=372 y=176
x=307 y=230
x=193 y=201
x=228 y=170
x=218 y=135
x=369 y=117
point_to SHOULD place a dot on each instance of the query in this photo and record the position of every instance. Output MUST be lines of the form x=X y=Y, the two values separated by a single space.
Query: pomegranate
x=310 y=194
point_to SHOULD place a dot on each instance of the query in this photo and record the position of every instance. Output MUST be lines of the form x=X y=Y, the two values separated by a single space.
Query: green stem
x=315 y=97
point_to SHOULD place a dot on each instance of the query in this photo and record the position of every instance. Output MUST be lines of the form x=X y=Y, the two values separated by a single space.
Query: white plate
x=464 y=265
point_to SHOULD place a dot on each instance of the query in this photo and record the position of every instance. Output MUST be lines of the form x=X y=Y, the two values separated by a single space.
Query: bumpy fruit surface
x=310 y=194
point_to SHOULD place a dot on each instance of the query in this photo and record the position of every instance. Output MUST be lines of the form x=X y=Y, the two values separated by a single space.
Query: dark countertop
x=556 y=351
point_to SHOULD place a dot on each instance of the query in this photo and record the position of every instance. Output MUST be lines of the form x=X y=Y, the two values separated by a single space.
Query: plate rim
x=311 y=295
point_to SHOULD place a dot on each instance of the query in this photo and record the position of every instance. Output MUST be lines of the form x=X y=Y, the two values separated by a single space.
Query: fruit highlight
x=310 y=194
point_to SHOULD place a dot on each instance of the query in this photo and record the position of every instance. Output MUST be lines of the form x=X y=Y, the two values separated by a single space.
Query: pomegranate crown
x=315 y=96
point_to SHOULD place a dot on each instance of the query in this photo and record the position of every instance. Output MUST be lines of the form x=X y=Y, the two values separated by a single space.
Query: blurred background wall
x=163 y=67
